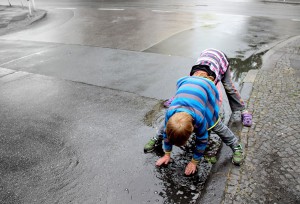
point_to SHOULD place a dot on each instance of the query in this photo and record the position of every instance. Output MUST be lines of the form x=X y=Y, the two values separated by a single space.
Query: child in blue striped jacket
x=195 y=109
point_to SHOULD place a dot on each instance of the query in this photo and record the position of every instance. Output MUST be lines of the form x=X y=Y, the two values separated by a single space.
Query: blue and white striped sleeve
x=201 y=143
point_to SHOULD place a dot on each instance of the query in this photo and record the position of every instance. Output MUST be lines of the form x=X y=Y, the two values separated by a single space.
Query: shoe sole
x=236 y=164
x=148 y=151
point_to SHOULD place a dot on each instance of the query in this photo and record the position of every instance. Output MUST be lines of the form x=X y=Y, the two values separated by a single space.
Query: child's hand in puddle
x=164 y=160
x=190 y=169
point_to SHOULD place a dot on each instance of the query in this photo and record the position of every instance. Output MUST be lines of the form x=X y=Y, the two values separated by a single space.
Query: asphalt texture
x=54 y=146
x=270 y=173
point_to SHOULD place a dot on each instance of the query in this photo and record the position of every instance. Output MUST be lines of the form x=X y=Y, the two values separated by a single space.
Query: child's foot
x=153 y=142
x=235 y=117
x=168 y=102
x=247 y=119
x=211 y=159
x=238 y=155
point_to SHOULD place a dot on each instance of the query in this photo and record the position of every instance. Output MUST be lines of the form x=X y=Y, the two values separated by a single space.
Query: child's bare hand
x=190 y=169
x=164 y=160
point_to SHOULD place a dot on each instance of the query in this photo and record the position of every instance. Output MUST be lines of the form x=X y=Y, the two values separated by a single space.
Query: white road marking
x=294 y=19
x=237 y=15
x=110 y=9
x=37 y=53
x=161 y=11
x=66 y=8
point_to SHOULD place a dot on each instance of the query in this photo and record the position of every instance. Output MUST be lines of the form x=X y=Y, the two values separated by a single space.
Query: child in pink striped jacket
x=216 y=64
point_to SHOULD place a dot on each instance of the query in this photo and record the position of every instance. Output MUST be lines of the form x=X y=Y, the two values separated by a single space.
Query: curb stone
x=283 y=1
x=14 y=21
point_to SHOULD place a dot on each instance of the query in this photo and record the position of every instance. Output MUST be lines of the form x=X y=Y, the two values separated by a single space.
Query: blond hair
x=202 y=73
x=179 y=128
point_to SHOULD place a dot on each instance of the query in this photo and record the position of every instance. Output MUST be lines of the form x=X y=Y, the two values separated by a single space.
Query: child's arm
x=201 y=143
x=167 y=148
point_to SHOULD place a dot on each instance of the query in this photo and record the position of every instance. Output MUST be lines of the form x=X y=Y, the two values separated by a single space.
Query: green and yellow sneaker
x=211 y=159
x=153 y=142
x=238 y=155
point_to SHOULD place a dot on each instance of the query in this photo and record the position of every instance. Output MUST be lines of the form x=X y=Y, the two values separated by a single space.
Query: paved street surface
x=53 y=147
x=81 y=92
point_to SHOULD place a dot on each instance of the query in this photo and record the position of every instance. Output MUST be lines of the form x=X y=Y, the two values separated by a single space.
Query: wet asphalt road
x=76 y=86
x=63 y=142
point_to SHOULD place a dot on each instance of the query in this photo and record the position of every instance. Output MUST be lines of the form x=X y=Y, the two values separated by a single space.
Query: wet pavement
x=79 y=132
x=57 y=144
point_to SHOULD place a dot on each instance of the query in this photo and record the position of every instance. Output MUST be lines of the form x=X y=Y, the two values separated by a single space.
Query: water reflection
x=240 y=66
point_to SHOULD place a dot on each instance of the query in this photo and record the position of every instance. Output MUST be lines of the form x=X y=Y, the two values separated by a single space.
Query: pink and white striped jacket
x=216 y=60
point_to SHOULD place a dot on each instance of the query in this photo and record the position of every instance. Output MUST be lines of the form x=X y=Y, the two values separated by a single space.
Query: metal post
x=29 y=7
x=33 y=5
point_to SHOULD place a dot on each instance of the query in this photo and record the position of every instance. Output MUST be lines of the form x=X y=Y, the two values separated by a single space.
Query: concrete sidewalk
x=13 y=18
x=271 y=172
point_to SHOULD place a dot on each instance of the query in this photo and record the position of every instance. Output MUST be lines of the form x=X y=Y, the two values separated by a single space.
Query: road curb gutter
x=247 y=85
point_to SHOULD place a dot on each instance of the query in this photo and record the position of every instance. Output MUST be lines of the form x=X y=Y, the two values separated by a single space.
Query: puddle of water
x=240 y=66
x=174 y=186
x=178 y=188
x=154 y=117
